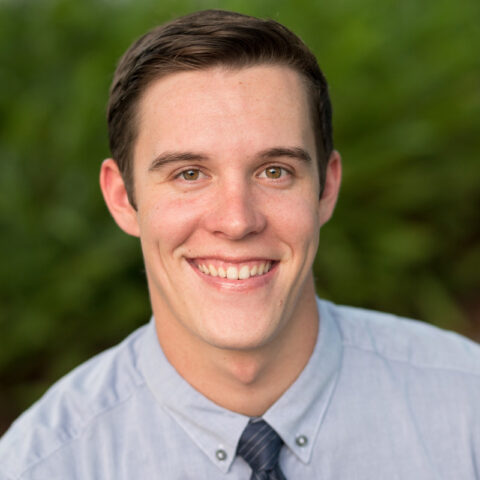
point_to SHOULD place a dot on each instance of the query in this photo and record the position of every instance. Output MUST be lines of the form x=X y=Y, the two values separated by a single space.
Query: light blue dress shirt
x=381 y=398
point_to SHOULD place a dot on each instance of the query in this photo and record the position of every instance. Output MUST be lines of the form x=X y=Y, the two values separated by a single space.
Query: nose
x=236 y=212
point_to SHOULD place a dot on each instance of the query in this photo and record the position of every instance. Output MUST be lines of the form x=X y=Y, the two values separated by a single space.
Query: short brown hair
x=206 y=39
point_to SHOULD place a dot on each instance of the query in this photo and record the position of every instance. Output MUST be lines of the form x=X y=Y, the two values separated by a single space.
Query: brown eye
x=191 y=174
x=273 y=172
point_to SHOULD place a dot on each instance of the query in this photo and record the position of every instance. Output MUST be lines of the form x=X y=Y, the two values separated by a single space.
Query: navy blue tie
x=260 y=447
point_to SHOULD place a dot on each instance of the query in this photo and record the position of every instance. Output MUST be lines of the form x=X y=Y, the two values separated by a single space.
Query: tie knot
x=260 y=446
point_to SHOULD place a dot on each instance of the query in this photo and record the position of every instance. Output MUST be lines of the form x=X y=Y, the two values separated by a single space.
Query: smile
x=233 y=271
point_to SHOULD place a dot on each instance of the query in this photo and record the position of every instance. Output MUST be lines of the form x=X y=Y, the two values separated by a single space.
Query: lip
x=227 y=259
x=239 y=285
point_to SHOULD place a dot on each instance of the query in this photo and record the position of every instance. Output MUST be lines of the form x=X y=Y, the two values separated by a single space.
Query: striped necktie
x=260 y=447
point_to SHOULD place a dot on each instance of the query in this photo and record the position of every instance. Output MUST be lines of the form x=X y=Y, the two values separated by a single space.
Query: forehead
x=220 y=108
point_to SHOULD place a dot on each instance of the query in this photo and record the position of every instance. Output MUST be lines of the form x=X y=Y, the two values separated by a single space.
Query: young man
x=223 y=166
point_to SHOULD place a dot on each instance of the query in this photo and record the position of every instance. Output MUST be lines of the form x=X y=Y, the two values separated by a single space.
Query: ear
x=333 y=179
x=115 y=195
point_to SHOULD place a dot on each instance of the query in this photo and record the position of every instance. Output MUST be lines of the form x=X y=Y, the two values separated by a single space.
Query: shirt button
x=221 y=454
x=301 y=440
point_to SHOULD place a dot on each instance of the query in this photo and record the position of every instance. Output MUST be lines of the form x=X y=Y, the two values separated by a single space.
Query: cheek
x=297 y=217
x=168 y=221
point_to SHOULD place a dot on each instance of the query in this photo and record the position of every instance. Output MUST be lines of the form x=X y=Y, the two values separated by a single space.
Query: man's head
x=200 y=41
x=225 y=169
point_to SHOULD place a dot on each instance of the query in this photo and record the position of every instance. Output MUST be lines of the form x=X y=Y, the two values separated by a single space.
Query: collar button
x=221 y=455
x=301 y=440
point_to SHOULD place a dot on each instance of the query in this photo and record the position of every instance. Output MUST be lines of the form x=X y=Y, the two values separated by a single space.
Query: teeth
x=233 y=273
x=244 y=273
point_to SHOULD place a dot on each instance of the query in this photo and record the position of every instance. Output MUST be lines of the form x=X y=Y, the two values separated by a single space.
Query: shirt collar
x=296 y=416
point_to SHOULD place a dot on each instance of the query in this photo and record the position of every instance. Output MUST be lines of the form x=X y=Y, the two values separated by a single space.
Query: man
x=223 y=165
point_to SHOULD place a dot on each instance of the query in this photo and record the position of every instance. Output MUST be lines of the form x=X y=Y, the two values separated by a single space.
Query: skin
x=225 y=174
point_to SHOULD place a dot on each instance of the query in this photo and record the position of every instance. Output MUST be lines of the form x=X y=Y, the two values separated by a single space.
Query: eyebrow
x=292 y=152
x=270 y=153
x=171 y=157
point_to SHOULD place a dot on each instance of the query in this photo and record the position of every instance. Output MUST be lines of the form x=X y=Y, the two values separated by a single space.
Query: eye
x=190 y=174
x=274 y=172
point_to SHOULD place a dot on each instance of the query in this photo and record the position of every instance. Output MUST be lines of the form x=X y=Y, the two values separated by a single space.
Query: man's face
x=227 y=191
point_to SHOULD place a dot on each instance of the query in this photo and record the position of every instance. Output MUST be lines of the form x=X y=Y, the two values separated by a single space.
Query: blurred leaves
x=405 y=84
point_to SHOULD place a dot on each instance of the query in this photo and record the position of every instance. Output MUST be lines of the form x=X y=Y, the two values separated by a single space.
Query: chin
x=245 y=332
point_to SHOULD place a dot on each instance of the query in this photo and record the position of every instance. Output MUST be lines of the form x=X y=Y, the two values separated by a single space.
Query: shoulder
x=408 y=390
x=405 y=341
x=100 y=385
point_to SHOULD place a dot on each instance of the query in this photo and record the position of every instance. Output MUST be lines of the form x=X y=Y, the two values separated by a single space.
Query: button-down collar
x=297 y=413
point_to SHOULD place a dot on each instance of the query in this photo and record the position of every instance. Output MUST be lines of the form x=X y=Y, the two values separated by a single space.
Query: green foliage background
x=405 y=83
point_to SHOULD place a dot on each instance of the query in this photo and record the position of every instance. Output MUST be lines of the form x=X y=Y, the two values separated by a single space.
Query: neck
x=245 y=381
